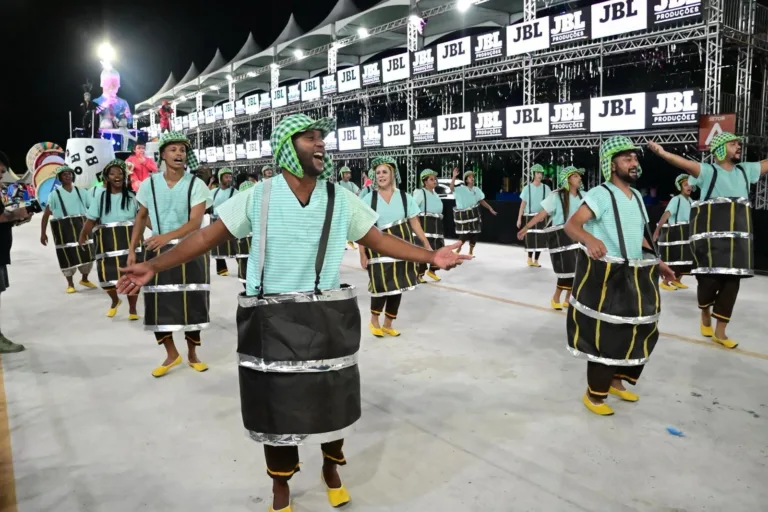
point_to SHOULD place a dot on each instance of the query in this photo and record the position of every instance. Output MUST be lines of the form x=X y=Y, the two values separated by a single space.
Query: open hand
x=455 y=172
x=156 y=242
x=654 y=147
x=667 y=274
x=82 y=240
x=519 y=223
x=446 y=259
x=494 y=212
x=134 y=277
x=521 y=233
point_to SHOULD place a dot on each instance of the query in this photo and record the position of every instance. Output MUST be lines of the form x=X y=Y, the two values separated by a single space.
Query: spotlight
x=105 y=52
x=299 y=54
x=415 y=20
x=363 y=32
x=463 y=5
x=229 y=78
x=251 y=74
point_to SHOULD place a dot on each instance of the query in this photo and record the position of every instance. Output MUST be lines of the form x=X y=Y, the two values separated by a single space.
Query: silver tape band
x=433 y=235
x=565 y=276
x=678 y=263
x=394 y=292
x=670 y=244
x=722 y=200
x=433 y=215
x=176 y=328
x=73 y=244
x=112 y=254
x=614 y=319
x=606 y=361
x=724 y=271
x=125 y=223
x=393 y=224
x=564 y=248
x=168 y=288
x=282 y=298
x=674 y=224
x=297 y=439
x=631 y=262
x=721 y=234
x=316 y=366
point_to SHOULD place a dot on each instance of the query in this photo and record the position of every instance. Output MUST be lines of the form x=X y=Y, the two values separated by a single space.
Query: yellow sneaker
x=336 y=497
x=625 y=395
x=133 y=317
x=433 y=276
x=600 y=410
x=199 y=367
x=706 y=330
x=667 y=287
x=555 y=305
x=536 y=263
x=530 y=262
x=87 y=284
x=71 y=289
x=376 y=331
x=727 y=342
x=162 y=370
x=286 y=509
x=111 y=312
x=678 y=284
x=223 y=273
x=390 y=331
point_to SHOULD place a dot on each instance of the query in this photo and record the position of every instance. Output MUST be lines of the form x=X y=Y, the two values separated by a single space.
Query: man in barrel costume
x=298 y=326
x=675 y=243
x=466 y=215
x=721 y=228
x=531 y=197
x=614 y=309
x=345 y=174
x=221 y=194
x=67 y=205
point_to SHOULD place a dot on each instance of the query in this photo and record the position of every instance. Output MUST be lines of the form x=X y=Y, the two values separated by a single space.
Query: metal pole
x=93 y=124
x=70 y=124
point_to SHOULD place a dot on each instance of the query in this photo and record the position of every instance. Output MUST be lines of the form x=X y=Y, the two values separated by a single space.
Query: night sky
x=49 y=50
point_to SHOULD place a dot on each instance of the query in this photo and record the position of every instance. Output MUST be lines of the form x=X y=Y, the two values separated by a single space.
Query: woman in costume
x=243 y=244
x=430 y=216
x=221 y=194
x=142 y=165
x=178 y=299
x=560 y=206
x=368 y=186
x=398 y=216
x=675 y=244
x=67 y=206
x=112 y=213
x=466 y=215
x=531 y=198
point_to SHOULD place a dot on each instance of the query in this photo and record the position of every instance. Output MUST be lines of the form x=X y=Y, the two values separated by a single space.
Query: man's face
x=346 y=176
x=225 y=180
x=175 y=155
x=686 y=188
x=310 y=148
x=626 y=166
x=537 y=176
x=139 y=150
x=733 y=151
x=66 y=177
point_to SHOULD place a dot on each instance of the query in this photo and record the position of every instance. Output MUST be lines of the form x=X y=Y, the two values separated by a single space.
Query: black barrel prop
x=113 y=242
x=721 y=237
x=675 y=246
x=298 y=352
x=66 y=233
x=562 y=251
x=467 y=221
x=432 y=225
x=536 y=238
x=242 y=252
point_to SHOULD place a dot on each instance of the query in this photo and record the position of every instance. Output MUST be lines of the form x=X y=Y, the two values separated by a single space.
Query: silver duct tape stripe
x=606 y=361
x=241 y=255
x=297 y=439
x=433 y=235
x=476 y=207
x=631 y=262
x=107 y=284
x=81 y=216
x=281 y=298
x=467 y=232
x=465 y=221
x=435 y=215
x=112 y=254
x=176 y=328
x=536 y=231
x=244 y=281
x=565 y=276
x=313 y=366
x=393 y=224
x=614 y=319
x=550 y=229
x=564 y=248
x=73 y=244
x=670 y=244
x=678 y=263
x=384 y=259
x=75 y=267
x=722 y=200
x=673 y=224
x=724 y=271
x=168 y=288
x=114 y=225
x=721 y=234
x=395 y=292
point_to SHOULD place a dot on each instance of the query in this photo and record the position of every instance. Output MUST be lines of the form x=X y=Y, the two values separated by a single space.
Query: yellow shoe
x=667 y=287
x=286 y=509
x=111 y=312
x=555 y=305
x=530 y=262
x=727 y=342
x=352 y=245
x=87 y=284
x=336 y=497
x=421 y=280
x=678 y=284
x=132 y=317
x=536 y=263
x=199 y=367
x=376 y=331
x=162 y=370
x=625 y=395
x=706 y=331
x=601 y=410
x=71 y=289
x=433 y=276
x=390 y=332
x=223 y=273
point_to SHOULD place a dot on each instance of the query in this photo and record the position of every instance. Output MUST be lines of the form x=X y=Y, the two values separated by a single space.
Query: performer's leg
x=377 y=308
x=333 y=457
x=112 y=292
x=462 y=238
x=599 y=377
x=85 y=270
x=723 y=308
x=706 y=293
x=282 y=464
x=628 y=374
x=472 y=243
x=68 y=274
x=193 y=341
x=132 y=313
x=166 y=339
x=221 y=267
x=391 y=308
x=564 y=284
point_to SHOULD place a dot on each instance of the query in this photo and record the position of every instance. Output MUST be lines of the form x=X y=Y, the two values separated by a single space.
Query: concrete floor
x=476 y=407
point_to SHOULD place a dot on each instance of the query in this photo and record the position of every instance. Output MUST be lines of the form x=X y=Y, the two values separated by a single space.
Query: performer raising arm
x=298 y=327
x=466 y=214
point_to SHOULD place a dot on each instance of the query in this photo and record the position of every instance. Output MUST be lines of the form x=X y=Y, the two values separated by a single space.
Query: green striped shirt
x=98 y=207
x=220 y=196
x=467 y=197
x=554 y=207
x=680 y=209
x=293 y=234
x=533 y=196
x=75 y=202
x=434 y=203
x=350 y=186
x=603 y=225
x=729 y=183
x=172 y=203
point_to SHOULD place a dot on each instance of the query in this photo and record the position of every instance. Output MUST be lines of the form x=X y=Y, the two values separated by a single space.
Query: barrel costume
x=430 y=217
x=721 y=230
x=467 y=219
x=674 y=240
x=176 y=299
x=536 y=238
x=67 y=218
x=243 y=247
x=388 y=277
x=562 y=250
x=614 y=310
x=229 y=248
x=298 y=326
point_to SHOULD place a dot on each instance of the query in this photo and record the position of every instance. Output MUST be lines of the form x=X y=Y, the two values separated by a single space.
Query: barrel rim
x=73 y=244
x=428 y=214
x=81 y=216
x=393 y=224
x=614 y=319
x=124 y=223
x=260 y=364
x=113 y=254
x=610 y=362
x=335 y=294
x=674 y=224
x=457 y=210
x=297 y=439
x=676 y=242
x=571 y=247
x=720 y=234
x=632 y=262
x=170 y=288
x=724 y=270
x=722 y=200
x=177 y=327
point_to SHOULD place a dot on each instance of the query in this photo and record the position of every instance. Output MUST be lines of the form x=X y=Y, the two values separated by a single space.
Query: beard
x=627 y=177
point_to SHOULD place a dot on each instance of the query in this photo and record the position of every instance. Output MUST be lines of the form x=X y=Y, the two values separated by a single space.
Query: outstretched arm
x=487 y=207
x=689 y=166
x=394 y=247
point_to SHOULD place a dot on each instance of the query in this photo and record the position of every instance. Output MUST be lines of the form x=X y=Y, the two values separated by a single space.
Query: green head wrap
x=611 y=148
x=282 y=145
x=65 y=168
x=384 y=160
x=223 y=171
x=566 y=173
x=178 y=137
x=343 y=170
x=424 y=175
x=717 y=146
x=246 y=185
x=679 y=181
x=266 y=168
x=115 y=163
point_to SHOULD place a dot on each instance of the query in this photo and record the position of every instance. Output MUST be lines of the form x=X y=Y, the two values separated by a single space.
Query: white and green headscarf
x=223 y=171
x=567 y=172
x=343 y=170
x=246 y=185
x=384 y=160
x=175 y=137
x=679 y=181
x=424 y=174
x=613 y=147
x=282 y=145
x=717 y=146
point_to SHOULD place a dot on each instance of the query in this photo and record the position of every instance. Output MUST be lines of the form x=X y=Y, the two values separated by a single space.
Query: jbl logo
x=371 y=70
x=453 y=123
x=567 y=112
x=528 y=115
x=487 y=42
x=348 y=75
x=396 y=64
x=673 y=102
x=674 y=4
x=617 y=107
x=279 y=93
x=488 y=120
x=527 y=32
x=396 y=130
x=423 y=127
x=618 y=10
x=423 y=58
x=454 y=50
x=349 y=135
x=568 y=23
x=310 y=86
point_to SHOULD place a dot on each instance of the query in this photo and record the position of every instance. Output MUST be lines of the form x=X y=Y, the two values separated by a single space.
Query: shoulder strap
x=405 y=203
x=746 y=181
x=63 y=206
x=677 y=206
x=562 y=203
x=544 y=192
x=216 y=193
x=189 y=198
x=617 y=217
x=82 y=203
x=266 y=189
x=425 y=199
x=645 y=222
x=711 y=183
x=530 y=197
x=102 y=204
x=231 y=192
x=154 y=201
x=374 y=199
x=323 y=245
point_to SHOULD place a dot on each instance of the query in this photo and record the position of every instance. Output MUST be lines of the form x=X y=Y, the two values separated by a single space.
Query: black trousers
x=191 y=336
x=599 y=377
x=718 y=291
x=221 y=266
x=565 y=283
x=283 y=461
x=388 y=305
x=535 y=255
x=469 y=237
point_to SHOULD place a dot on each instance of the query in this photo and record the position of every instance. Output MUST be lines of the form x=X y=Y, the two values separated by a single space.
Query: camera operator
x=8 y=218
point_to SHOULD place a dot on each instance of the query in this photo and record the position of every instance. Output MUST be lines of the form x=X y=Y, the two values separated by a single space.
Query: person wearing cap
x=531 y=197
x=611 y=223
x=678 y=209
x=221 y=194
x=266 y=172
x=430 y=205
x=345 y=173
x=297 y=213
x=67 y=200
x=727 y=177
x=175 y=202
x=560 y=206
x=114 y=206
x=466 y=197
